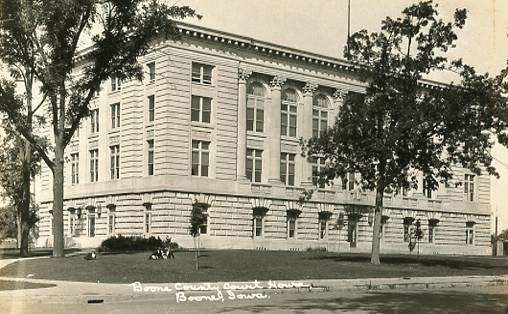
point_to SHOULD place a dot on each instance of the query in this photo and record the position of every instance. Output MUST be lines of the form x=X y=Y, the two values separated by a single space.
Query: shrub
x=134 y=243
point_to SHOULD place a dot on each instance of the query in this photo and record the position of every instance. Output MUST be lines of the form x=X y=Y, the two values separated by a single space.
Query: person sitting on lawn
x=91 y=256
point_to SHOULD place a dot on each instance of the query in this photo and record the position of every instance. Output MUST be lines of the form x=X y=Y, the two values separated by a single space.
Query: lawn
x=17 y=285
x=240 y=265
x=8 y=253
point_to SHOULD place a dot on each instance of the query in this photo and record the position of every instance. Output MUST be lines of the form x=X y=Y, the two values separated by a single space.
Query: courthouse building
x=217 y=121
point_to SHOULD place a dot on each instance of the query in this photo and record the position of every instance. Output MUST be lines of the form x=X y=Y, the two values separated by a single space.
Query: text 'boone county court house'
x=217 y=120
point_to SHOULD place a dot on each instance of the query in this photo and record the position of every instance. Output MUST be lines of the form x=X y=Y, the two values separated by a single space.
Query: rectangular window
x=291 y=227
x=202 y=73
x=201 y=108
x=318 y=164
x=254 y=164
x=255 y=114
x=115 y=161
x=151 y=108
x=150 y=157
x=287 y=168
x=350 y=183
x=75 y=168
x=288 y=119
x=408 y=228
x=148 y=222
x=94 y=165
x=115 y=115
x=257 y=226
x=469 y=187
x=352 y=232
x=116 y=84
x=323 y=228
x=200 y=158
x=319 y=121
x=151 y=71
x=427 y=191
x=432 y=230
x=91 y=225
x=470 y=233
x=94 y=120
x=203 y=228
x=71 y=225
x=111 y=223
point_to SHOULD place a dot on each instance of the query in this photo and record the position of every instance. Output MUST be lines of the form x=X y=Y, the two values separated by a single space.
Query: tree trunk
x=378 y=213
x=196 y=262
x=58 y=196
x=24 y=226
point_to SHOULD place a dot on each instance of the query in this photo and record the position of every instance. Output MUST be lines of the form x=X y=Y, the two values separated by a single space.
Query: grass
x=8 y=253
x=17 y=285
x=239 y=265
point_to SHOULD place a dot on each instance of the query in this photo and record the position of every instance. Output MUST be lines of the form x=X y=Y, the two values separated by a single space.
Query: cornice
x=265 y=48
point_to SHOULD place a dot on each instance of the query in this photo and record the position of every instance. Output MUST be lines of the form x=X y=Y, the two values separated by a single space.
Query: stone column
x=306 y=167
x=241 y=149
x=339 y=96
x=273 y=132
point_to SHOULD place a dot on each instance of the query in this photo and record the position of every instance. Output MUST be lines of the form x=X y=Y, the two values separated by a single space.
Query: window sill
x=114 y=131
x=256 y=134
x=149 y=124
x=204 y=125
x=93 y=136
x=289 y=138
x=202 y=84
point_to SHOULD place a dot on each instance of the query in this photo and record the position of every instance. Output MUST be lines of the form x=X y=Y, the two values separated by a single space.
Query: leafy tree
x=44 y=36
x=198 y=218
x=18 y=165
x=7 y=222
x=403 y=125
x=416 y=236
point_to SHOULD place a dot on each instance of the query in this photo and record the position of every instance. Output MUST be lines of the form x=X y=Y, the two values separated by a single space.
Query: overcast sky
x=321 y=26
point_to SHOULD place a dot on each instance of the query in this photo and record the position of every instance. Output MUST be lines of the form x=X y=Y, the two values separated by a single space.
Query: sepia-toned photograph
x=269 y=156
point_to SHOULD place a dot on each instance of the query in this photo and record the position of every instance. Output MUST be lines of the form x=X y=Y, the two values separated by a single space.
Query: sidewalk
x=83 y=292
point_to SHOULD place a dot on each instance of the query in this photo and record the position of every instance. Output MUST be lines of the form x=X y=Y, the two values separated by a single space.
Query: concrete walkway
x=85 y=291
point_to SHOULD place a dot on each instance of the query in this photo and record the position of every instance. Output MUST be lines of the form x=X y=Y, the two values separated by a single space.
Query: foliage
x=44 y=37
x=198 y=218
x=7 y=222
x=135 y=243
x=416 y=235
x=404 y=127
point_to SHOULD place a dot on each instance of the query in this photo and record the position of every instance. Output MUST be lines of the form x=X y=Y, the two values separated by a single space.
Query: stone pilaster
x=273 y=132
x=243 y=76
x=308 y=94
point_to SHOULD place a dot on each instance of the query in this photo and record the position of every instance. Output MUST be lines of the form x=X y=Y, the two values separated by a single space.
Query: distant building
x=217 y=121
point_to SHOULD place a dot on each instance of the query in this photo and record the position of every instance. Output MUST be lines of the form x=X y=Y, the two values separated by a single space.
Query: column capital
x=340 y=94
x=277 y=82
x=309 y=89
x=243 y=75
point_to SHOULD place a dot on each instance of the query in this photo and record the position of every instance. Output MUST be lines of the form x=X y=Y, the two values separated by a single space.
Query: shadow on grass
x=459 y=263
x=428 y=302
x=19 y=285
x=14 y=252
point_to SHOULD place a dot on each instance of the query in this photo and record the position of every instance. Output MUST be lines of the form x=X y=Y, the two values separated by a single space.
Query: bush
x=135 y=243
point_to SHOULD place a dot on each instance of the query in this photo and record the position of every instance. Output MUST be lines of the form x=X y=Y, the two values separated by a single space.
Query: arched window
x=255 y=107
x=288 y=112
x=320 y=107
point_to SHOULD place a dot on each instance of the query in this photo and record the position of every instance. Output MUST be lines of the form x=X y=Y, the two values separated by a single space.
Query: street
x=458 y=300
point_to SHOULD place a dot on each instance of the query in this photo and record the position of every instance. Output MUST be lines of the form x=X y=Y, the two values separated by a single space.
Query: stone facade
x=217 y=120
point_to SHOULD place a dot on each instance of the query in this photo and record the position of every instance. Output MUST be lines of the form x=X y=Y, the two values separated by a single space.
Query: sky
x=320 y=26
